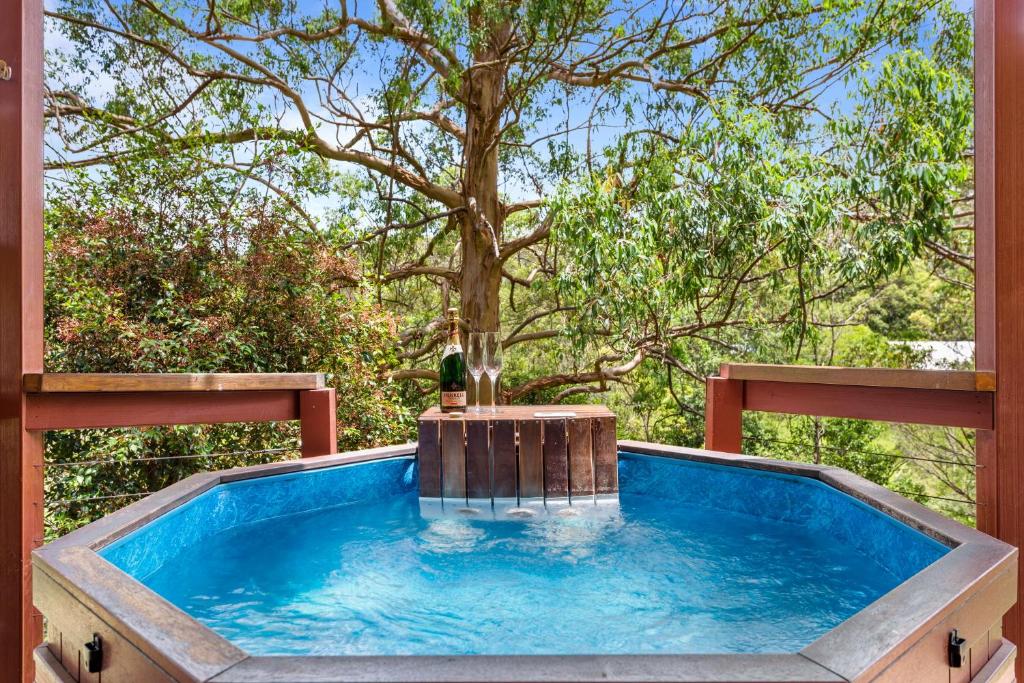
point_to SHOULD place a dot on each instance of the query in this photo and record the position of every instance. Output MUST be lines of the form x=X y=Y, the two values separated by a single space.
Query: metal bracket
x=94 y=654
x=5 y=71
x=957 y=650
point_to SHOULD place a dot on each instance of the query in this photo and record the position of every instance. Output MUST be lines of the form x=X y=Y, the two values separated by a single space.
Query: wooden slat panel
x=504 y=454
x=973 y=410
x=531 y=460
x=995 y=639
x=453 y=459
x=478 y=465
x=977 y=657
x=173 y=381
x=581 y=457
x=953 y=380
x=556 y=462
x=1000 y=667
x=606 y=457
x=49 y=668
x=520 y=413
x=429 y=456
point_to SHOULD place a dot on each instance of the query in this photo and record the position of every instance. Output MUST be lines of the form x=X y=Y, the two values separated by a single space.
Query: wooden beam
x=52 y=382
x=87 y=411
x=971 y=410
x=21 y=327
x=723 y=415
x=999 y=268
x=952 y=380
x=318 y=411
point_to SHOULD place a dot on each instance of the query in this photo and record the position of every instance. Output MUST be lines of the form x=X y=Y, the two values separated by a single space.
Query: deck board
x=55 y=382
x=955 y=380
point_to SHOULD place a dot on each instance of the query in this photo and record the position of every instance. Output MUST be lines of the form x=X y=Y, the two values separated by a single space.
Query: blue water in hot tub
x=695 y=559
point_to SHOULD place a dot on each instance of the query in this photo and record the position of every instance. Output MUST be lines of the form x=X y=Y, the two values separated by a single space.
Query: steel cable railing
x=879 y=454
x=112 y=461
x=843 y=449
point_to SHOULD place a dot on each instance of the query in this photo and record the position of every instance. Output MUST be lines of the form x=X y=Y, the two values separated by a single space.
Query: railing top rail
x=51 y=383
x=956 y=380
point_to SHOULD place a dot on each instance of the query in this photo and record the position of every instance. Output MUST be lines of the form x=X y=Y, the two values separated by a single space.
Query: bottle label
x=449 y=349
x=453 y=399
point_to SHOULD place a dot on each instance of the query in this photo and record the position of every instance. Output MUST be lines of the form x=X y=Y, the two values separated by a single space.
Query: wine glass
x=492 y=364
x=475 y=363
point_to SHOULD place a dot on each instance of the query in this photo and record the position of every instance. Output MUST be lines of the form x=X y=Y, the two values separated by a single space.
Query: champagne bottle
x=453 y=368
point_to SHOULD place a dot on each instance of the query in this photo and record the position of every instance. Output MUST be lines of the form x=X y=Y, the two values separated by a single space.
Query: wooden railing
x=83 y=401
x=949 y=398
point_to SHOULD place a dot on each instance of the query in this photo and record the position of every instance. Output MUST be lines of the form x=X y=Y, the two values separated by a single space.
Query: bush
x=161 y=270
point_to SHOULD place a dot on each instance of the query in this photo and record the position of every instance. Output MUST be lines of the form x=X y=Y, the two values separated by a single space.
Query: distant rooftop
x=943 y=354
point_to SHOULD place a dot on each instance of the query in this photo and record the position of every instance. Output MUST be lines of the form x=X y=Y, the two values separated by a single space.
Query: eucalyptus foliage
x=695 y=160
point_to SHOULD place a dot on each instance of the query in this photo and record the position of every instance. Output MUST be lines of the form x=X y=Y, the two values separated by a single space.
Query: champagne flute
x=475 y=363
x=492 y=364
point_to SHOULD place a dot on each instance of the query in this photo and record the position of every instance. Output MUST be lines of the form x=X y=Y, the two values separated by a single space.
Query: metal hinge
x=5 y=71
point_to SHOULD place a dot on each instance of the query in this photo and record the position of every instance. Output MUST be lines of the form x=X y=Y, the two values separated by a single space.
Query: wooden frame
x=21 y=326
x=68 y=401
x=893 y=378
x=999 y=271
x=934 y=397
x=959 y=399
x=80 y=401
x=999 y=308
x=149 y=382
x=899 y=637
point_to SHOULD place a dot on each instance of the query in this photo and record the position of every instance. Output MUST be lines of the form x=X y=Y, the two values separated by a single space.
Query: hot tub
x=708 y=567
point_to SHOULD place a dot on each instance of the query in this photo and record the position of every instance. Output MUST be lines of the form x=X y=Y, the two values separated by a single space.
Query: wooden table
x=514 y=452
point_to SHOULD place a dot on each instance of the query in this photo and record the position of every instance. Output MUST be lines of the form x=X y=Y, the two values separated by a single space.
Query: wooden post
x=723 y=410
x=318 y=411
x=21 y=327
x=999 y=272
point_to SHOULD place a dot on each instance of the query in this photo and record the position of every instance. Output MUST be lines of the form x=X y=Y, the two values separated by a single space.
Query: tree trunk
x=482 y=222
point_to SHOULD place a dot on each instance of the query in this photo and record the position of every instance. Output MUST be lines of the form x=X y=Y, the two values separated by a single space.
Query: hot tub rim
x=973 y=574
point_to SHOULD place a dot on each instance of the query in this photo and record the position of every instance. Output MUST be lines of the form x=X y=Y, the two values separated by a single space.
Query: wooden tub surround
x=903 y=637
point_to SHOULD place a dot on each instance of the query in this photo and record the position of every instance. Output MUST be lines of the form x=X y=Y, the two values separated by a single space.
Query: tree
x=449 y=125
